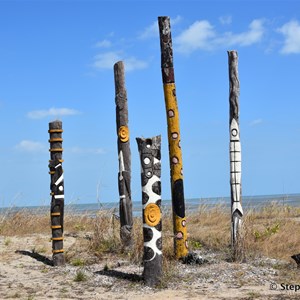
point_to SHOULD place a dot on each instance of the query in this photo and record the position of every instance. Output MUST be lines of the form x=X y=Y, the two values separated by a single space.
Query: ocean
x=192 y=205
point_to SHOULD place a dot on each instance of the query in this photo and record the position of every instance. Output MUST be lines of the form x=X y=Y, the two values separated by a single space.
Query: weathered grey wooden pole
x=177 y=192
x=57 y=192
x=124 y=176
x=235 y=156
x=150 y=157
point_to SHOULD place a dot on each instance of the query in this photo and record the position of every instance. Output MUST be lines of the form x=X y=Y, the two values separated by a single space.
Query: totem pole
x=57 y=191
x=124 y=176
x=150 y=157
x=235 y=155
x=178 y=205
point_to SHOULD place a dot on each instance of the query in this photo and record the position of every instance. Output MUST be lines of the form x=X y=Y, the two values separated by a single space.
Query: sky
x=56 y=62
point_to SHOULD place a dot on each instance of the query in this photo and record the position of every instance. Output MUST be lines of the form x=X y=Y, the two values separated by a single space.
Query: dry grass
x=272 y=231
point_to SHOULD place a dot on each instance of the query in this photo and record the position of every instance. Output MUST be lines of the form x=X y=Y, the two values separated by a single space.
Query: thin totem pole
x=178 y=205
x=124 y=176
x=57 y=191
x=235 y=155
x=150 y=157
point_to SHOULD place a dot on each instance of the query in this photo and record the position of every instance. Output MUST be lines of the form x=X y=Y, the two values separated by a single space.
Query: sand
x=26 y=273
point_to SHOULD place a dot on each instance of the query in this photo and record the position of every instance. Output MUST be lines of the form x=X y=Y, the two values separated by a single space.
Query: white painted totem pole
x=235 y=156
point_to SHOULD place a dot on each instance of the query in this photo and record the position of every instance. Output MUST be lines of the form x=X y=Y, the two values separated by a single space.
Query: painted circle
x=175 y=160
x=174 y=135
x=124 y=134
x=171 y=113
x=61 y=188
x=183 y=223
x=149 y=174
x=186 y=244
x=179 y=235
x=234 y=132
x=147 y=160
x=152 y=214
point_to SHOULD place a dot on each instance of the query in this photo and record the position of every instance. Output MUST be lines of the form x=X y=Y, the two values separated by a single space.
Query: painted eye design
x=124 y=134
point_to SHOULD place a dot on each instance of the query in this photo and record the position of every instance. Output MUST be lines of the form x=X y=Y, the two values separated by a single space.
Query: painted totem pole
x=57 y=192
x=124 y=176
x=235 y=154
x=150 y=156
x=178 y=205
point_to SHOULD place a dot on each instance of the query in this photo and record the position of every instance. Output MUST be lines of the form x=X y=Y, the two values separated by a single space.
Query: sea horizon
x=191 y=204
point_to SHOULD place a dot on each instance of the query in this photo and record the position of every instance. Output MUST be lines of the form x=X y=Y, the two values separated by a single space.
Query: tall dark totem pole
x=124 y=176
x=57 y=192
x=178 y=205
x=235 y=156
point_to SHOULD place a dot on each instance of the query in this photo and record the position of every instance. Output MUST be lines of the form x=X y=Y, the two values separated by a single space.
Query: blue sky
x=56 y=61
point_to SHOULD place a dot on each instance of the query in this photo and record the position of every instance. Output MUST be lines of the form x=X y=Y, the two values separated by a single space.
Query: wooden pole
x=235 y=156
x=150 y=157
x=178 y=205
x=57 y=192
x=124 y=176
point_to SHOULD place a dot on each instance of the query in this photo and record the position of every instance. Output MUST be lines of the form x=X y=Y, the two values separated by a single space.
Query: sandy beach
x=26 y=273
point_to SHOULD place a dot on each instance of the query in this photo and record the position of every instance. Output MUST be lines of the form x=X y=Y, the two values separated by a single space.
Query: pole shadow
x=120 y=275
x=45 y=260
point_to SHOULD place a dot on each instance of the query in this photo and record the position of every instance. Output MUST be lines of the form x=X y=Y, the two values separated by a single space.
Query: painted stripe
x=57 y=238
x=55 y=214
x=59 y=180
x=57 y=251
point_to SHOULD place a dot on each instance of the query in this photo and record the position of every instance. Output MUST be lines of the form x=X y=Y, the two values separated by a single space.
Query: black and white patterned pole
x=150 y=157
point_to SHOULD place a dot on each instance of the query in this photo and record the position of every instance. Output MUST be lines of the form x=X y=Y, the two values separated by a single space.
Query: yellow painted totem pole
x=178 y=205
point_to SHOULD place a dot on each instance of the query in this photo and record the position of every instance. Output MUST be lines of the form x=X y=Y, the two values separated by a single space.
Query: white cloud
x=197 y=36
x=256 y=122
x=80 y=150
x=247 y=38
x=108 y=59
x=150 y=31
x=30 y=146
x=201 y=35
x=225 y=20
x=52 y=112
x=291 y=33
x=103 y=44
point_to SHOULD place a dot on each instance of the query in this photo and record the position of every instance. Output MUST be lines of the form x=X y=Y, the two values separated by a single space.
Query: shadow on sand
x=120 y=275
x=36 y=256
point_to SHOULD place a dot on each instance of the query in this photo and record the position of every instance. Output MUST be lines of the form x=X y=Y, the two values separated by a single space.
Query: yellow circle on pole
x=152 y=214
x=124 y=134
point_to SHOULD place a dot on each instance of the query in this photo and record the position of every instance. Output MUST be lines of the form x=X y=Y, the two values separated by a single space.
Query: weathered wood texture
x=57 y=192
x=235 y=157
x=150 y=157
x=177 y=191
x=124 y=176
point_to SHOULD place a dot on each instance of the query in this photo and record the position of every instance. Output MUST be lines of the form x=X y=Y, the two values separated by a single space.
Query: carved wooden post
x=124 y=176
x=235 y=156
x=178 y=205
x=150 y=156
x=57 y=192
